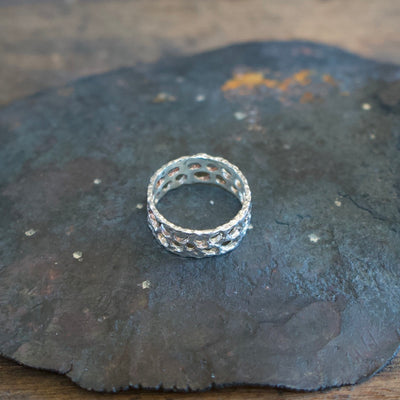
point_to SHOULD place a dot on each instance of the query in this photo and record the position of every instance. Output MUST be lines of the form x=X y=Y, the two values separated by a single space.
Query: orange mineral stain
x=329 y=79
x=302 y=78
x=250 y=80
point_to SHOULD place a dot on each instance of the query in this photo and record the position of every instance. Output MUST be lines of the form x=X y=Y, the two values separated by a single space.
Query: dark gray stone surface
x=310 y=299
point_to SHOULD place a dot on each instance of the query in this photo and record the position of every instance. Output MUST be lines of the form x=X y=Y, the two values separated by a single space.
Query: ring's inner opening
x=199 y=206
x=205 y=206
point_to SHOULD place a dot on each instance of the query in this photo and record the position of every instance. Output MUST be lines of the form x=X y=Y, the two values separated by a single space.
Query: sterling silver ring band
x=199 y=168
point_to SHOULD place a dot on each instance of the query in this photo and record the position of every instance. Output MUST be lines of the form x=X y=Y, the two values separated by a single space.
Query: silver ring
x=199 y=168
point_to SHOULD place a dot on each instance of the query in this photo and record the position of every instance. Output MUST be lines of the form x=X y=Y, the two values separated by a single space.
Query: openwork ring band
x=199 y=168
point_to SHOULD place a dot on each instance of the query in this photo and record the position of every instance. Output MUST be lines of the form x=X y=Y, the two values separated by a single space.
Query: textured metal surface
x=310 y=299
x=199 y=168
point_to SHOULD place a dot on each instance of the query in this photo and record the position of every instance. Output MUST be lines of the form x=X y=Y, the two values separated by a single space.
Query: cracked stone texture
x=311 y=297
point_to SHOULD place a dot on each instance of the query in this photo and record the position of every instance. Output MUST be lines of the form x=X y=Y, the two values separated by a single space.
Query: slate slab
x=309 y=300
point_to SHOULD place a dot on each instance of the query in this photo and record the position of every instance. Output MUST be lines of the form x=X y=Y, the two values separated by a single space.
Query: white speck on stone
x=366 y=107
x=139 y=206
x=212 y=375
x=180 y=79
x=239 y=115
x=97 y=181
x=145 y=284
x=313 y=238
x=372 y=136
x=77 y=255
x=212 y=202
x=250 y=226
x=164 y=97
x=200 y=98
x=286 y=146
x=338 y=203
x=30 y=232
